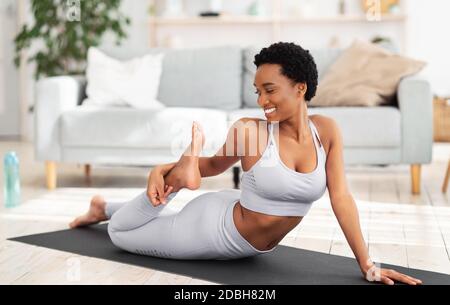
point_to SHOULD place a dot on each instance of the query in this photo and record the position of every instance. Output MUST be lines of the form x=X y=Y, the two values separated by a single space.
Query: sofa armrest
x=415 y=101
x=54 y=95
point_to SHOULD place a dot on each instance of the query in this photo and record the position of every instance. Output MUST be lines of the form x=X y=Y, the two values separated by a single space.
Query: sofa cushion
x=365 y=74
x=248 y=75
x=322 y=57
x=235 y=115
x=121 y=127
x=360 y=126
x=197 y=77
x=112 y=82
x=366 y=126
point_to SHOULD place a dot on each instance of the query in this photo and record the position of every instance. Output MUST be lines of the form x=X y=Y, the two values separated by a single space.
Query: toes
x=196 y=128
x=97 y=199
x=73 y=224
x=197 y=132
x=199 y=127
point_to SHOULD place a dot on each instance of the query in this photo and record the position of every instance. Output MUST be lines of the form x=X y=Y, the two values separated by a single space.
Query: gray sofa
x=214 y=87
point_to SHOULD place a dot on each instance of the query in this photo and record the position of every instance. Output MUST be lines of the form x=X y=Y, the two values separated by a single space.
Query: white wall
x=138 y=30
x=9 y=87
x=428 y=28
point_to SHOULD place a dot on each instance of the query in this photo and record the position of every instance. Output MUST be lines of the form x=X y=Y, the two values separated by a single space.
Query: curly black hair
x=296 y=63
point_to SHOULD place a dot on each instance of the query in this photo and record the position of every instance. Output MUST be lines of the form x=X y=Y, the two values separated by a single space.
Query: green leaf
x=62 y=44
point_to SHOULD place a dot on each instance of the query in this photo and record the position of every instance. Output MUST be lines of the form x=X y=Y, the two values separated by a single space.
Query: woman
x=292 y=168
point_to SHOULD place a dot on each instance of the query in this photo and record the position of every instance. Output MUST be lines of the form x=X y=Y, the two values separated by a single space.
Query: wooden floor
x=399 y=228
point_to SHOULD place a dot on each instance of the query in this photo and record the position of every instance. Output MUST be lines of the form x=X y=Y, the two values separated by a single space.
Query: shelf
x=344 y=19
x=269 y=20
x=211 y=20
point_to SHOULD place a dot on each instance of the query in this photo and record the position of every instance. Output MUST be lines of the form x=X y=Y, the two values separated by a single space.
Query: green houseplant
x=64 y=30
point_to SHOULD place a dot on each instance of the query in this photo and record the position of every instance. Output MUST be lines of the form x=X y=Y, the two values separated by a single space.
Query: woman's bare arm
x=163 y=169
x=345 y=209
x=228 y=154
x=208 y=166
x=207 y=169
x=224 y=158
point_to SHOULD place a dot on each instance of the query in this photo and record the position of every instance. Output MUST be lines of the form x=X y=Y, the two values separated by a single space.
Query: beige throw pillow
x=364 y=75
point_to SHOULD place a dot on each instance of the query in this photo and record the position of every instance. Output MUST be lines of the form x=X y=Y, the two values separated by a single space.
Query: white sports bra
x=272 y=188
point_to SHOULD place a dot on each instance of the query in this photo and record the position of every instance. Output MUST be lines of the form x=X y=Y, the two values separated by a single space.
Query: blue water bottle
x=12 y=179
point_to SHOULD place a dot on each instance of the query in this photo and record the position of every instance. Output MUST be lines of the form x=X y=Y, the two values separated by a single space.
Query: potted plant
x=65 y=30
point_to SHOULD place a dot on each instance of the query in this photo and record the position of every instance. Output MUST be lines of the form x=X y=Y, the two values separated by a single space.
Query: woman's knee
x=113 y=225
x=113 y=232
x=117 y=238
x=122 y=220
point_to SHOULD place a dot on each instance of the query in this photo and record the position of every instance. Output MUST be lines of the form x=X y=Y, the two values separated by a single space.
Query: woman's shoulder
x=250 y=119
x=250 y=123
x=326 y=127
x=251 y=129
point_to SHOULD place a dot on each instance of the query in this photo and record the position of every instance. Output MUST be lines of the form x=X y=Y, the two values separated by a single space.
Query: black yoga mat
x=284 y=265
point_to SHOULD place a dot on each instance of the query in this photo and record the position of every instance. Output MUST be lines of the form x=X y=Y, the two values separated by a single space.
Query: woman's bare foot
x=95 y=214
x=186 y=172
x=198 y=140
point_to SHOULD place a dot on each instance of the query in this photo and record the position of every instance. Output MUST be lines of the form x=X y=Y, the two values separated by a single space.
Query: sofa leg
x=236 y=171
x=415 y=179
x=50 y=173
x=447 y=176
x=87 y=173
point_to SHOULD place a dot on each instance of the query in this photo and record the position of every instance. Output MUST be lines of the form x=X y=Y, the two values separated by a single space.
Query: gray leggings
x=203 y=229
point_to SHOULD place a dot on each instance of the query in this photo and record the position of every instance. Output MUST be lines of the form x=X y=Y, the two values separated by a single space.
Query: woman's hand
x=388 y=276
x=157 y=190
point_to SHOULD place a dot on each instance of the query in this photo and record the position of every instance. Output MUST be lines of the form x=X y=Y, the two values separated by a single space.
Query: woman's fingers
x=156 y=187
x=152 y=191
x=153 y=195
x=389 y=276
x=160 y=189
x=386 y=280
x=415 y=280
x=162 y=194
x=392 y=274
x=412 y=278
x=168 y=190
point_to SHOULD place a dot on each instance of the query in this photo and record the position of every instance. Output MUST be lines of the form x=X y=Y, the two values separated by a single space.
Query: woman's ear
x=302 y=87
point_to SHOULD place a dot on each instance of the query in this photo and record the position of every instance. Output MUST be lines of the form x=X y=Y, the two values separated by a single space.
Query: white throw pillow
x=111 y=82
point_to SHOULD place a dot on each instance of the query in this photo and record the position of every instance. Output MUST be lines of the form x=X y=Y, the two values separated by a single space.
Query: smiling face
x=278 y=95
